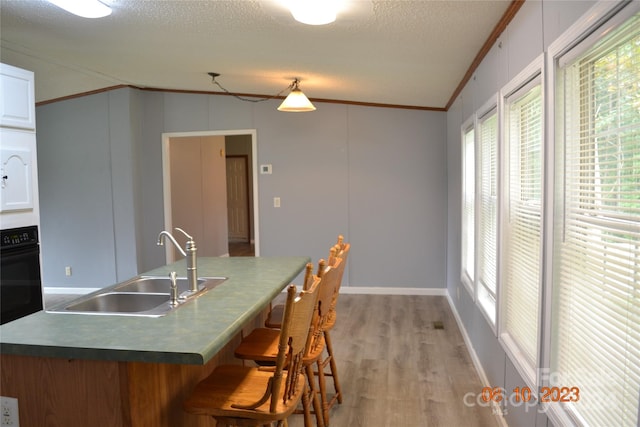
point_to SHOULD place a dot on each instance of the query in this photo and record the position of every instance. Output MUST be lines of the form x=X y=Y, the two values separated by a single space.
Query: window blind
x=596 y=317
x=522 y=227
x=488 y=213
x=468 y=208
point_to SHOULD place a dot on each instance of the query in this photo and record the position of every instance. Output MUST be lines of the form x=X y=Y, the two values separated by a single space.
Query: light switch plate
x=265 y=169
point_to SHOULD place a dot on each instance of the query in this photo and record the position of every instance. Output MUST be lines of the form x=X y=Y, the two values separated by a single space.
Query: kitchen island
x=99 y=370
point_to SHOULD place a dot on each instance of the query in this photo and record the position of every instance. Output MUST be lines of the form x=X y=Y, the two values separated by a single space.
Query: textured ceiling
x=412 y=53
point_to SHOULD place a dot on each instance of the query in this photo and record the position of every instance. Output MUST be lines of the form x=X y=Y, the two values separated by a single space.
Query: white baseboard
x=51 y=290
x=476 y=361
x=370 y=290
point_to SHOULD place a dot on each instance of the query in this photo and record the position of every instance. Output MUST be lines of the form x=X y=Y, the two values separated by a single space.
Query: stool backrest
x=339 y=251
x=298 y=313
x=321 y=317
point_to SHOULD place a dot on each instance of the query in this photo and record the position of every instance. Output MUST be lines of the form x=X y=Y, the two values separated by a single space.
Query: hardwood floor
x=398 y=370
x=241 y=249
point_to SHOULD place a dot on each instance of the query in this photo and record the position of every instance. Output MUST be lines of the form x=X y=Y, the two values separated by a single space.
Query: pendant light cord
x=241 y=98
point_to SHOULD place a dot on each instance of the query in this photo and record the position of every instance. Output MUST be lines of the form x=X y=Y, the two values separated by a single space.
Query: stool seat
x=274 y=318
x=261 y=345
x=229 y=388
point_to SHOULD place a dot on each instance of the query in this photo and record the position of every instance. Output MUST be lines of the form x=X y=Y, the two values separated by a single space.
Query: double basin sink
x=147 y=296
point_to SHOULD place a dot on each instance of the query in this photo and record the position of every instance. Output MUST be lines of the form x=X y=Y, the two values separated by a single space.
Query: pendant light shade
x=296 y=101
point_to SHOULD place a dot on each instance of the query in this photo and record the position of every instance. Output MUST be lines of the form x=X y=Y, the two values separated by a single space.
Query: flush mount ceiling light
x=84 y=8
x=314 y=12
x=295 y=102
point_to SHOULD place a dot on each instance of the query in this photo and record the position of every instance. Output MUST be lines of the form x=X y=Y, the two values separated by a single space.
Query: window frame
x=469 y=282
x=601 y=19
x=528 y=77
x=484 y=303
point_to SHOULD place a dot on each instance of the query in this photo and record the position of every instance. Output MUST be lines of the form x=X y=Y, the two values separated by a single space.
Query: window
x=522 y=226
x=468 y=208
x=487 y=213
x=596 y=272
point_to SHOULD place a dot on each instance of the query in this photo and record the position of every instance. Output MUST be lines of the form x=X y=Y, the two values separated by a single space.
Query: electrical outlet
x=276 y=202
x=9 y=412
x=67 y=271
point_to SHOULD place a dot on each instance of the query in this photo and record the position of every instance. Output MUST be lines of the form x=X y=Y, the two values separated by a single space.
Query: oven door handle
x=10 y=254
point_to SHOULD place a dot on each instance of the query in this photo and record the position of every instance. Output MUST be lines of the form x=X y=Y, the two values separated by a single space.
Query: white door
x=238 y=198
x=198 y=192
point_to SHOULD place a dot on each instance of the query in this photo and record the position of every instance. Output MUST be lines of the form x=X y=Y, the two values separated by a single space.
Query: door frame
x=166 y=179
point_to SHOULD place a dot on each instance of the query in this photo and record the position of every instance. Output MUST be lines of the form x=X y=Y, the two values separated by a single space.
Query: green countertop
x=191 y=334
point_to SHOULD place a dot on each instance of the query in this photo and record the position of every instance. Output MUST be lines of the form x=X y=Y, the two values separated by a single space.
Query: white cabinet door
x=16 y=188
x=16 y=171
x=17 y=98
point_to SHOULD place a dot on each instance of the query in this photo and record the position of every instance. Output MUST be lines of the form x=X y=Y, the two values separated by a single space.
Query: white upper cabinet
x=19 y=205
x=17 y=98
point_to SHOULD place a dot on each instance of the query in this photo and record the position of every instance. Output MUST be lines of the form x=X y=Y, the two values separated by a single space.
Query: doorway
x=239 y=204
x=232 y=137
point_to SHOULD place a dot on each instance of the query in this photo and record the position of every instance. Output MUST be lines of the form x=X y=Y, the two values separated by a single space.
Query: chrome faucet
x=189 y=254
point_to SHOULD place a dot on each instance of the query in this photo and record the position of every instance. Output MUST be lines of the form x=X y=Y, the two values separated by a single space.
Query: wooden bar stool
x=339 y=251
x=259 y=345
x=250 y=397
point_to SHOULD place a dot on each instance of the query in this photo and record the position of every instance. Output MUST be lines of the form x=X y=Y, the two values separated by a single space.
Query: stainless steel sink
x=146 y=296
x=161 y=284
x=122 y=303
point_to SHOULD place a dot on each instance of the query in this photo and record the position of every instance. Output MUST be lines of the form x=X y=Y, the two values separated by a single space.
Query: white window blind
x=488 y=213
x=521 y=237
x=596 y=317
x=468 y=208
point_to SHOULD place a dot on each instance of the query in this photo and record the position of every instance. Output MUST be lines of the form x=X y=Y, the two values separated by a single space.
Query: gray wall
x=536 y=25
x=376 y=175
x=86 y=182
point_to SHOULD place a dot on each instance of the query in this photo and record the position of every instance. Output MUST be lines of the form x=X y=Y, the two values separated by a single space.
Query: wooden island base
x=96 y=393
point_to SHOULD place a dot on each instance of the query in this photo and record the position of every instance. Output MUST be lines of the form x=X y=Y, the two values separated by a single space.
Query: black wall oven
x=20 y=283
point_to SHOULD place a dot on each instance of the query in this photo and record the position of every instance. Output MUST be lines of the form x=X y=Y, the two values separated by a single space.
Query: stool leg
x=332 y=364
x=323 y=393
x=306 y=410
x=317 y=408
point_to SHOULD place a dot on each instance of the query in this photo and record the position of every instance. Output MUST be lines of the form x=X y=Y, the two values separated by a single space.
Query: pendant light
x=314 y=12
x=296 y=101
